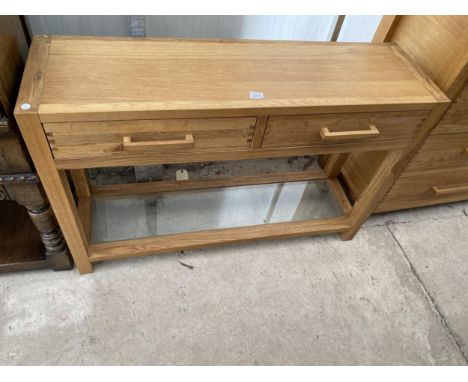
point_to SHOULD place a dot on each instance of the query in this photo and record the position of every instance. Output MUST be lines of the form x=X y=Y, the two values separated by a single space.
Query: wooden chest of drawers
x=96 y=102
x=436 y=172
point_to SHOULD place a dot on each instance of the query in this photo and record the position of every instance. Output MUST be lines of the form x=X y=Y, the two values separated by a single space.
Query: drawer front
x=456 y=118
x=434 y=188
x=441 y=152
x=74 y=140
x=338 y=129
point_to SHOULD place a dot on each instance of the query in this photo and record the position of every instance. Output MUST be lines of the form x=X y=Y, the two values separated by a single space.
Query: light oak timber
x=187 y=39
x=449 y=190
x=372 y=194
x=456 y=119
x=328 y=136
x=259 y=132
x=34 y=72
x=303 y=59
x=81 y=183
x=439 y=46
x=130 y=145
x=201 y=239
x=363 y=165
x=419 y=73
x=417 y=191
x=445 y=154
x=340 y=195
x=434 y=117
x=129 y=112
x=56 y=186
x=325 y=78
x=83 y=191
x=431 y=121
x=358 y=169
x=440 y=152
x=322 y=160
x=114 y=159
x=444 y=149
x=433 y=171
x=180 y=185
x=299 y=130
x=385 y=28
x=308 y=130
x=333 y=164
x=85 y=110
x=85 y=139
x=54 y=181
x=84 y=212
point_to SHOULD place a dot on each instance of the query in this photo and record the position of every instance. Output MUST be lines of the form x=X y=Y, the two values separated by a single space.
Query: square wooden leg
x=56 y=185
x=81 y=182
x=334 y=163
x=373 y=194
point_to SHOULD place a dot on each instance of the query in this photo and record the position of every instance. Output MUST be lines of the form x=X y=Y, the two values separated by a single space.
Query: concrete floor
x=396 y=294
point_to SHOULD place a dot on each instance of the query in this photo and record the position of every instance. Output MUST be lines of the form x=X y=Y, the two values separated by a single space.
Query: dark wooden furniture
x=29 y=235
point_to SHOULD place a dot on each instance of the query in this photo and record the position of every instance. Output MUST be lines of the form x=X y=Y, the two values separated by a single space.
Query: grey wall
x=359 y=28
x=79 y=25
x=314 y=28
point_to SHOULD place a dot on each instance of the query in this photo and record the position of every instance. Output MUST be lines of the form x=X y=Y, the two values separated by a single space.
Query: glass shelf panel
x=132 y=217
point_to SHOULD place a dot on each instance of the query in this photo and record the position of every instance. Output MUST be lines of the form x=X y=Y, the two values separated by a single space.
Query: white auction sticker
x=256 y=95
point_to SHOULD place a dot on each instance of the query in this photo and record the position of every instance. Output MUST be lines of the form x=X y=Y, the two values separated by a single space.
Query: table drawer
x=421 y=190
x=336 y=129
x=441 y=152
x=74 y=140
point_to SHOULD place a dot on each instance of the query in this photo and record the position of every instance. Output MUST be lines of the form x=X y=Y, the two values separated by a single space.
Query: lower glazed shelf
x=144 y=224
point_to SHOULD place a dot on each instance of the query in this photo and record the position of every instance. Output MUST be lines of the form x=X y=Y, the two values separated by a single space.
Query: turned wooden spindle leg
x=27 y=192
x=57 y=254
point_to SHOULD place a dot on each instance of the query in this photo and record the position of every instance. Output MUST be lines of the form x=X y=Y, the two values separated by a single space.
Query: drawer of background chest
x=338 y=129
x=74 y=140
x=456 y=118
x=421 y=190
x=441 y=152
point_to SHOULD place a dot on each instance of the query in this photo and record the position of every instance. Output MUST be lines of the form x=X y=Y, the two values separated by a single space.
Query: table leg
x=334 y=163
x=81 y=182
x=57 y=254
x=368 y=201
x=57 y=188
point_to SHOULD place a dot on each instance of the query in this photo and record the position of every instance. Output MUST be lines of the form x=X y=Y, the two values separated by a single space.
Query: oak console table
x=105 y=102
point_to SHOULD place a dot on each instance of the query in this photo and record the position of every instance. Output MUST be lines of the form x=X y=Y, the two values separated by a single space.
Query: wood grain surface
x=90 y=78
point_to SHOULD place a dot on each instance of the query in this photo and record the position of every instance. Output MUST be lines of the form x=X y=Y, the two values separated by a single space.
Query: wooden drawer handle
x=465 y=152
x=188 y=142
x=449 y=190
x=328 y=135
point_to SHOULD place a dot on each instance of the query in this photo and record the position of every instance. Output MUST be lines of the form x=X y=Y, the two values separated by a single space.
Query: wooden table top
x=89 y=78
